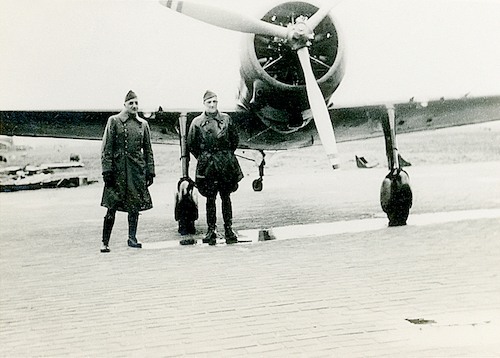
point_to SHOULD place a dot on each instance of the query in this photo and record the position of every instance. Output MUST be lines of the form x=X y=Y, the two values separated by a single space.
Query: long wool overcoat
x=212 y=139
x=127 y=152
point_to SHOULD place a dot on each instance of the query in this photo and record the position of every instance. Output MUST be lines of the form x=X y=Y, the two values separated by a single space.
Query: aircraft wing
x=359 y=122
x=364 y=121
x=350 y=123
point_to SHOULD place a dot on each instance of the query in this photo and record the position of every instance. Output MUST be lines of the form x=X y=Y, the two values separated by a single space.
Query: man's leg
x=109 y=221
x=227 y=214
x=133 y=219
x=211 y=235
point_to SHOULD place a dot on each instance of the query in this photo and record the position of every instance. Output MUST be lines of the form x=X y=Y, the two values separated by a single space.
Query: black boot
x=133 y=219
x=132 y=242
x=227 y=214
x=231 y=237
x=109 y=221
x=211 y=236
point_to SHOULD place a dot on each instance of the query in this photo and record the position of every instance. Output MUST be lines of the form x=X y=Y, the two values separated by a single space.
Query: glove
x=109 y=179
x=149 y=179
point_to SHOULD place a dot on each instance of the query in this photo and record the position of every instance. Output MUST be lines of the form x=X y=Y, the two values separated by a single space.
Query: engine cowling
x=272 y=82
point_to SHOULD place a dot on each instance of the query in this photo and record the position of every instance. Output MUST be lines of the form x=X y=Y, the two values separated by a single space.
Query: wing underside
x=349 y=123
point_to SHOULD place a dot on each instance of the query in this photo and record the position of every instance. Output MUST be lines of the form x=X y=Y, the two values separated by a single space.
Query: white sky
x=86 y=54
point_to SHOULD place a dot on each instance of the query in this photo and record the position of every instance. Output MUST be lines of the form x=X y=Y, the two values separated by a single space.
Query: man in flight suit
x=212 y=139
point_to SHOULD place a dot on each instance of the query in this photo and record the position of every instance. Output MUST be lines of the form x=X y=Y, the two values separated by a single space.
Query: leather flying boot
x=231 y=237
x=227 y=214
x=211 y=236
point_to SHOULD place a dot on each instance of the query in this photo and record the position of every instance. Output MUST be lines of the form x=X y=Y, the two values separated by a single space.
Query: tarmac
x=345 y=287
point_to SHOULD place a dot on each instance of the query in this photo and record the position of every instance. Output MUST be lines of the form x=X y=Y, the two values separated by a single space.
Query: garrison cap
x=208 y=94
x=130 y=95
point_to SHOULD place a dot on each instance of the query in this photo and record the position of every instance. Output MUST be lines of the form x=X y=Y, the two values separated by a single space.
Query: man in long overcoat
x=212 y=139
x=127 y=168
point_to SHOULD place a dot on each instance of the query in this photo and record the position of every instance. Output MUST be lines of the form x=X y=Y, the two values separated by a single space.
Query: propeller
x=321 y=14
x=226 y=19
x=319 y=109
x=298 y=36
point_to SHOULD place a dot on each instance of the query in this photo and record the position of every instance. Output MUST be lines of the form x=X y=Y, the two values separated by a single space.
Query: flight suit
x=212 y=139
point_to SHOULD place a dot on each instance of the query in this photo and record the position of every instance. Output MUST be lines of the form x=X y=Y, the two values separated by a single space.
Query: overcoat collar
x=124 y=116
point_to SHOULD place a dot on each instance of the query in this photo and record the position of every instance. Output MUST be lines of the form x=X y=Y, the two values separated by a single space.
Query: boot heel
x=132 y=242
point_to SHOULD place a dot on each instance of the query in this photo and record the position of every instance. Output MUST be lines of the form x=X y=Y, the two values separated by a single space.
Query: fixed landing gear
x=395 y=194
x=396 y=197
x=257 y=184
x=186 y=202
x=186 y=206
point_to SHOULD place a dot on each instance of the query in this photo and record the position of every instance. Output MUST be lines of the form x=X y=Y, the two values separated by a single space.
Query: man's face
x=132 y=106
x=211 y=105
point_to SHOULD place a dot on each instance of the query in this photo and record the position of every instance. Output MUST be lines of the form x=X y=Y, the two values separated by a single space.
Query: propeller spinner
x=297 y=35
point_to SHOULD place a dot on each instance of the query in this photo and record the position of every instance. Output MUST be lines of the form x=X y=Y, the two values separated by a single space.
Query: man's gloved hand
x=109 y=179
x=149 y=179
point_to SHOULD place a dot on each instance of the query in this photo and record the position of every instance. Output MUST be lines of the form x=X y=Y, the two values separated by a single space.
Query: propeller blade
x=319 y=110
x=321 y=14
x=225 y=18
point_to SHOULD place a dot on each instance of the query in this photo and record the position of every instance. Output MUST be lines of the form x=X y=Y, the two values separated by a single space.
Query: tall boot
x=133 y=219
x=109 y=221
x=211 y=236
x=227 y=214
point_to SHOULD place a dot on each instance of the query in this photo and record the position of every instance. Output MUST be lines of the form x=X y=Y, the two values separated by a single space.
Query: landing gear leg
x=257 y=184
x=395 y=194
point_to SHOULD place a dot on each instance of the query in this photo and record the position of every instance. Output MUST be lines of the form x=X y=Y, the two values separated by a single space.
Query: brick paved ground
x=342 y=295
x=347 y=295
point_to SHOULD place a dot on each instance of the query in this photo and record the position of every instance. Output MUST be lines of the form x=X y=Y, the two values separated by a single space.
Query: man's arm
x=148 y=150
x=234 y=136
x=107 y=146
